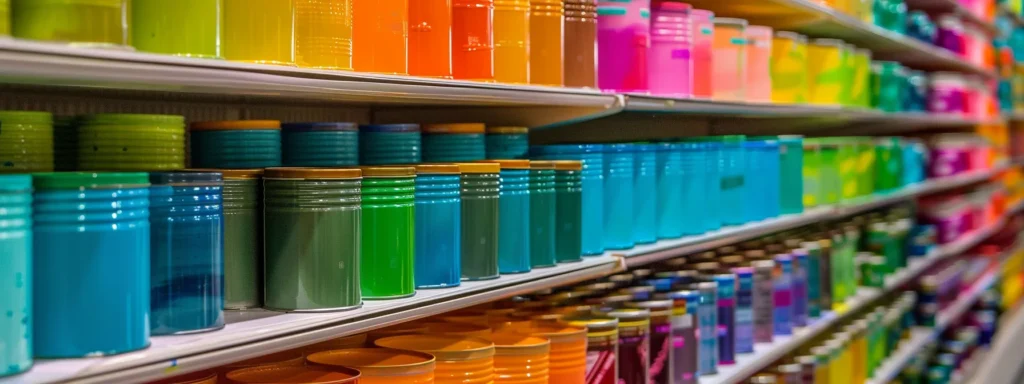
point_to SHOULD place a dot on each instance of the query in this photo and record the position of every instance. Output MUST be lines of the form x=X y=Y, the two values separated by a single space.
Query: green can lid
x=32 y=117
x=83 y=180
x=131 y=118
x=15 y=183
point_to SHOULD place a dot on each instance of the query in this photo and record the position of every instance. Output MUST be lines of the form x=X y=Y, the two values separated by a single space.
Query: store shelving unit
x=955 y=7
x=1003 y=366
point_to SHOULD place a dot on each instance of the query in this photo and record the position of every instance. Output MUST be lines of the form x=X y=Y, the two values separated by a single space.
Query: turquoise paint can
x=791 y=177
x=670 y=217
x=645 y=193
x=592 y=178
x=438 y=242
x=453 y=142
x=542 y=214
x=733 y=179
x=328 y=144
x=514 y=217
x=507 y=142
x=384 y=144
x=91 y=256
x=699 y=210
x=236 y=144
x=761 y=178
x=186 y=216
x=15 y=274
x=618 y=197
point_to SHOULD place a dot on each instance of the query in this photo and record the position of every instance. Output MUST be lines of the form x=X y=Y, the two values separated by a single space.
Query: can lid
x=480 y=167
x=746 y=271
x=82 y=180
x=790 y=35
x=236 y=125
x=642 y=272
x=510 y=163
x=132 y=118
x=806 y=360
x=27 y=117
x=651 y=305
x=790 y=368
x=281 y=374
x=568 y=165
x=320 y=126
x=763 y=378
x=388 y=171
x=170 y=178
x=394 y=128
x=229 y=174
x=15 y=183
x=594 y=323
x=556 y=332
x=596 y=287
x=312 y=173
x=454 y=128
x=630 y=317
x=542 y=164
x=508 y=130
x=621 y=278
x=443 y=347
x=445 y=169
x=376 y=361
x=685 y=294
x=514 y=344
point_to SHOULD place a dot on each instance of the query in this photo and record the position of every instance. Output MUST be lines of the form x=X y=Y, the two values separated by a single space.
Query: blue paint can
x=387 y=144
x=592 y=156
x=453 y=142
x=707 y=325
x=733 y=180
x=726 y=318
x=507 y=142
x=782 y=278
x=697 y=217
x=236 y=144
x=15 y=274
x=645 y=193
x=328 y=144
x=438 y=260
x=619 y=185
x=670 y=216
x=514 y=217
x=762 y=178
x=744 y=309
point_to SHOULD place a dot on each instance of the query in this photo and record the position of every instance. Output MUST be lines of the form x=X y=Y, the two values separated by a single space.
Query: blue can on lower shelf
x=619 y=184
x=186 y=252
x=507 y=142
x=320 y=144
x=438 y=260
x=514 y=217
x=15 y=273
x=236 y=144
x=592 y=156
x=453 y=142
x=387 y=144
x=645 y=193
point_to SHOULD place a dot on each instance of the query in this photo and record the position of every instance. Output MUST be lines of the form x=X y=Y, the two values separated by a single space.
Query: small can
x=763 y=378
x=707 y=324
x=642 y=273
x=726 y=318
x=621 y=280
x=782 y=278
x=764 y=302
x=661 y=351
x=744 y=309
x=799 y=281
x=684 y=335
x=708 y=268
x=678 y=277
x=660 y=285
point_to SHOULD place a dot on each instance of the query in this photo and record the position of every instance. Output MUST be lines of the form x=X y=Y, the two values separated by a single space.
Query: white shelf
x=1004 y=364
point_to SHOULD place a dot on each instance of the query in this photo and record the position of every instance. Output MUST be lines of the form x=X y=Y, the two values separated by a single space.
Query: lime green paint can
x=481 y=185
x=131 y=142
x=568 y=211
x=189 y=28
x=79 y=22
x=5 y=18
x=388 y=240
x=312 y=223
x=26 y=142
x=542 y=214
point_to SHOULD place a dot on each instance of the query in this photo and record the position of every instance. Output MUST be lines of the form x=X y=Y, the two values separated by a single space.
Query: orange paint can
x=512 y=41
x=547 y=42
x=293 y=375
x=460 y=359
x=567 y=361
x=380 y=36
x=520 y=359
x=291 y=357
x=472 y=39
x=380 y=365
x=459 y=329
x=430 y=38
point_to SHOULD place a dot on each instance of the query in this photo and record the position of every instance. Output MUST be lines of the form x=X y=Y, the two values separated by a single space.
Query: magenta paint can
x=623 y=41
x=669 y=71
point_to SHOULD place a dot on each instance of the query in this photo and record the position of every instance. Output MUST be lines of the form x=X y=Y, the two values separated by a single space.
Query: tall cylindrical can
x=730 y=59
x=473 y=39
x=380 y=36
x=243 y=237
x=547 y=41
x=481 y=185
x=507 y=142
x=623 y=40
x=568 y=210
x=186 y=221
x=16 y=246
x=744 y=309
x=389 y=144
x=514 y=217
x=764 y=301
x=789 y=68
x=669 y=69
x=634 y=344
x=155 y=27
x=236 y=144
x=511 y=42
x=108 y=279
x=693 y=198
x=312 y=221
x=388 y=232
x=542 y=214
x=319 y=144
x=592 y=177
x=733 y=180
x=726 y=318
x=800 y=287
x=661 y=350
x=26 y=142
x=618 y=196
x=438 y=225
x=813 y=271
x=580 y=43
x=430 y=38
x=521 y=358
x=323 y=34
x=259 y=32
x=791 y=178
x=602 y=347
x=568 y=357
x=825 y=265
x=683 y=366
x=707 y=323
x=759 y=51
x=703 y=31
x=782 y=277
x=453 y=142
x=670 y=216
x=645 y=193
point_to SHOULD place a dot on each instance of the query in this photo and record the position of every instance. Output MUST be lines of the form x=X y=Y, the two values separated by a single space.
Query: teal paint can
x=15 y=273
x=328 y=144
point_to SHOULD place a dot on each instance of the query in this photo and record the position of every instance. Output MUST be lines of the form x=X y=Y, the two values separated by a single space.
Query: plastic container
x=293 y=375
x=825 y=72
x=438 y=226
x=131 y=142
x=542 y=214
x=592 y=178
x=312 y=233
x=388 y=232
x=453 y=142
x=514 y=217
x=389 y=144
x=323 y=34
x=669 y=65
x=602 y=344
x=511 y=42
x=473 y=39
x=507 y=142
x=78 y=22
x=319 y=144
x=789 y=68
x=380 y=36
x=729 y=73
x=759 y=52
x=16 y=246
x=567 y=362
x=186 y=219
x=380 y=365
x=460 y=359
x=670 y=218
x=703 y=32
x=521 y=359
x=259 y=31
x=189 y=28
x=108 y=279
x=568 y=210
x=547 y=42
x=580 y=43
x=236 y=144
x=430 y=43
x=791 y=160
x=26 y=142
x=948 y=94
x=623 y=34
x=618 y=197
x=481 y=184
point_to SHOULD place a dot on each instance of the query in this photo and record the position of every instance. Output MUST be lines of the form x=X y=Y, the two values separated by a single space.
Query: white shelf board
x=1004 y=364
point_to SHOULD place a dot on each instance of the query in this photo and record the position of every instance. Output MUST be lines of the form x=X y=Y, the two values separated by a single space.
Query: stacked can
x=733 y=184
x=668 y=68
x=592 y=178
x=16 y=245
x=514 y=217
x=729 y=73
x=645 y=193
x=481 y=185
x=568 y=210
x=430 y=42
x=453 y=142
x=459 y=358
x=726 y=318
x=684 y=335
x=661 y=336
x=602 y=344
x=623 y=34
x=378 y=365
x=800 y=288
x=388 y=232
x=389 y=144
x=236 y=144
x=707 y=322
x=511 y=42
x=580 y=35
x=26 y=142
x=542 y=214
x=695 y=190
x=634 y=344
x=618 y=197
x=782 y=277
x=547 y=31
x=671 y=218
x=320 y=144
x=764 y=293
x=507 y=142
x=131 y=142
x=319 y=205
x=744 y=309
x=438 y=226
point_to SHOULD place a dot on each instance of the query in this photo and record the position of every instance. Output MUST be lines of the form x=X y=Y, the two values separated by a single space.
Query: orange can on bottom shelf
x=408 y=328
x=459 y=359
x=293 y=375
x=346 y=342
x=520 y=359
x=291 y=357
x=380 y=365
x=567 y=361
x=459 y=329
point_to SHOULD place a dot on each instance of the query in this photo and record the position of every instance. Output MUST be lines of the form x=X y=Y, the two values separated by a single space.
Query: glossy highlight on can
x=387 y=246
x=260 y=31
x=514 y=217
x=473 y=39
x=438 y=242
x=481 y=184
x=380 y=36
x=618 y=196
x=16 y=245
x=645 y=193
x=380 y=365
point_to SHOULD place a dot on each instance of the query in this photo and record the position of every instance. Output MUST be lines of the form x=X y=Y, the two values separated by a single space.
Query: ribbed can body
x=619 y=184
x=514 y=221
x=389 y=144
x=16 y=273
x=452 y=147
x=243 y=243
x=480 y=226
x=568 y=216
x=542 y=218
x=256 y=148
x=592 y=178
x=388 y=237
x=26 y=142
x=109 y=142
x=670 y=216
x=438 y=231
x=645 y=194
x=319 y=148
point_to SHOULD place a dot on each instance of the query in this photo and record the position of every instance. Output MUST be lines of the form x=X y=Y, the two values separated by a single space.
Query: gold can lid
x=443 y=347
x=388 y=171
x=568 y=165
x=312 y=173
x=508 y=130
x=510 y=163
x=376 y=361
x=253 y=173
x=515 y=344
x=542 y=164
x=236 y=125
x=480 y=167
x=453 y=128
x=445 y=169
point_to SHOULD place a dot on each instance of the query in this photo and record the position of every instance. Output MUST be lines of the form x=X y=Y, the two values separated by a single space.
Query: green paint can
x=480 y=187
x=568 y=211
x=542 y=214
x=26 y=141
x=312 y=222
x=388 y=247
